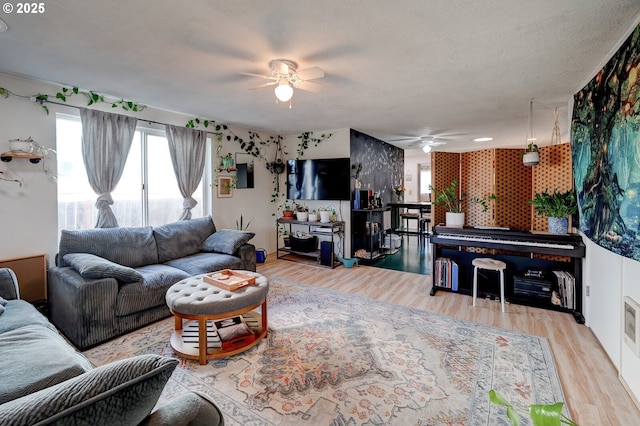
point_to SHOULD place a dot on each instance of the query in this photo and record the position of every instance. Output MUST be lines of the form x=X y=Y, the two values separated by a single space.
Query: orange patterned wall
x=477 y=171
x=445 y=167
x=513 y=189
x=501 y=172
x=553 y=172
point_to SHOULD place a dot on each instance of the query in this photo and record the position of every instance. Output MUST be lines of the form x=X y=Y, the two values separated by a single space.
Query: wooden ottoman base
x=203 y=352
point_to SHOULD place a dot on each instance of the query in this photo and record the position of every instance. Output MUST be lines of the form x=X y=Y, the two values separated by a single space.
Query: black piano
x=519 y=249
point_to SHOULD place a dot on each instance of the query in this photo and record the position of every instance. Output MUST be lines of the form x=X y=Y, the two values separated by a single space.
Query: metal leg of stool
x=475 y=284
x=502 y=289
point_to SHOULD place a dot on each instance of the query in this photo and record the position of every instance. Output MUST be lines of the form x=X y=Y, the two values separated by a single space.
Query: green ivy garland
x=254 y=146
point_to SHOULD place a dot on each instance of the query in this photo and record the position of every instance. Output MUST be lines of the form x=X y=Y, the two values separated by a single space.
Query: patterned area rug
x=332 y=358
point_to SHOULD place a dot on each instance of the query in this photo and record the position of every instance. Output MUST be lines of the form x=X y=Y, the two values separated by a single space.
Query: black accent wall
x=382 y=164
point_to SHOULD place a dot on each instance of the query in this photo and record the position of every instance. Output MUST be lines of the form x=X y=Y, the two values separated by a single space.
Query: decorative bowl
x=21 y=146
x=348 y=263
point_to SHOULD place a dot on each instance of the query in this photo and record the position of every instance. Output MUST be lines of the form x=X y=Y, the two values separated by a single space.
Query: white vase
x=302 y=216
x=455 y=220
x=531 y=158
x=325 y=216
x=313 y=217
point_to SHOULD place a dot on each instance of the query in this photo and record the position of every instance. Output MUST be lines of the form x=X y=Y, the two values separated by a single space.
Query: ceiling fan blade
x=311 y=73
x=257 y=75
x=309 y=86
x=263 y=85
x=280 y=67
x=436 y=143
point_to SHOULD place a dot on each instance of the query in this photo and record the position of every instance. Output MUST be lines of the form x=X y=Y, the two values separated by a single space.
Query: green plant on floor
x=558 y=204
x=540 y=414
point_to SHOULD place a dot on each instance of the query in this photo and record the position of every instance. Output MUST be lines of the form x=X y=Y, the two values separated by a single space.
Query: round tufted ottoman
x=203 y=303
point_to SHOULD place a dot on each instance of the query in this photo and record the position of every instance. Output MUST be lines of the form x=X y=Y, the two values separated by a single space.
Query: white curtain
x=106 y=140
x=187 y=148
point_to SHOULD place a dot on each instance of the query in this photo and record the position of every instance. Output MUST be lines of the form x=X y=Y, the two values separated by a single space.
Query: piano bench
x=490 y=265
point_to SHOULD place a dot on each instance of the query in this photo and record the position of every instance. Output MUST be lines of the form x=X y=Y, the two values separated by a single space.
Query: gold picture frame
x=225 y=187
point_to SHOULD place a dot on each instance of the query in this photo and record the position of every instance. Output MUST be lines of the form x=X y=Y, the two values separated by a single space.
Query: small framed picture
x=225 y=186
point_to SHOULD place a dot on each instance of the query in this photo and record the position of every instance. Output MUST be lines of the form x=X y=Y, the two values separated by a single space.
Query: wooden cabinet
x=31 y=272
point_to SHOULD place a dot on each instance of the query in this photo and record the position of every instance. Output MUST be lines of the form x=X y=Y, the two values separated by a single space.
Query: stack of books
x=565 y=296
x=446 y=273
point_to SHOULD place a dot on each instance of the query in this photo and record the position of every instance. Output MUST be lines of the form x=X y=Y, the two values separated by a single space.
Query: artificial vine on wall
x=253 y=146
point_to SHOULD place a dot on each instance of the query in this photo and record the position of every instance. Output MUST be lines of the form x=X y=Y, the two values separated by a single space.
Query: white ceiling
x=455 y=69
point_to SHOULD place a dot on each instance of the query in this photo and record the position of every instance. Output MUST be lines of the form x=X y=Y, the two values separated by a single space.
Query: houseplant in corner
x=557 y=207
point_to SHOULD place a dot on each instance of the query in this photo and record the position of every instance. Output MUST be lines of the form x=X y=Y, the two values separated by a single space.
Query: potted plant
x=302 y=212
x=287 y=211
x=557 y=207
x=325 y=214
x=313 y=216
x=530 y=156
x=452 y=202
x=227 y=161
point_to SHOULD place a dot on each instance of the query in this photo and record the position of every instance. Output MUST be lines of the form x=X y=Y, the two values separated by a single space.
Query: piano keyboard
x=489 y=239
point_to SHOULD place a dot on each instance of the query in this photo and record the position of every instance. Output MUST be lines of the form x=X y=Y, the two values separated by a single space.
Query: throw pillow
x=123 y=392
x=3 y=303
x=226 y=241
x=92 y=266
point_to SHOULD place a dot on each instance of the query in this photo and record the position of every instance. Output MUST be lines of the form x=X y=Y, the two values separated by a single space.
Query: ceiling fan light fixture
x=284 y=92
x=484 y=139
x=426 y=149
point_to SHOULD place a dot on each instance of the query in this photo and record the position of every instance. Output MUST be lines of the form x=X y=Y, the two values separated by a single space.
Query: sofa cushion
x=35 y=357
x=226 y=241
x=179 y=239
x=19 y=313
x=121 y=393
x=201 y=263
x=148 y=293
x=92 y=266
x=129 y=246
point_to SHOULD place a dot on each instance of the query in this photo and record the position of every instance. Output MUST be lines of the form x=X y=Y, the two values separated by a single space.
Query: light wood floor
x=593 y=392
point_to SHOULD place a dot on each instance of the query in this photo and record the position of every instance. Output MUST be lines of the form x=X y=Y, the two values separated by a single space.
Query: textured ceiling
x=455 y=69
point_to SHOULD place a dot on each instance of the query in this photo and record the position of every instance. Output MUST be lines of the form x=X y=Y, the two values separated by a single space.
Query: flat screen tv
x=323 y=179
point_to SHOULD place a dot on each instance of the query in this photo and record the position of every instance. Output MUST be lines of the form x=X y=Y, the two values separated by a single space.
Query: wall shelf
x=8 y=156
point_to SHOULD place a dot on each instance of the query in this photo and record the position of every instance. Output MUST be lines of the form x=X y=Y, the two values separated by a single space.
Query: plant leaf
x=546 y=415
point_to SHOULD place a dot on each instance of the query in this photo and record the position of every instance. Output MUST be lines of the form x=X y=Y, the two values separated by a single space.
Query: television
x=321 y=179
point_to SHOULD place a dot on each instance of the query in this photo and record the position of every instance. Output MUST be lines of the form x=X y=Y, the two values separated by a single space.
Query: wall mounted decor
x=225 y=186
x=605 y=148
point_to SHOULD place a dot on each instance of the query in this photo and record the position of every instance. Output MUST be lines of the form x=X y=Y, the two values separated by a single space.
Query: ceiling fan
x=426 y=143
x=286 y=77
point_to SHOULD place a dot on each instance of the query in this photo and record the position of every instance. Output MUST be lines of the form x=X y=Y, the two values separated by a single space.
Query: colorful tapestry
x=333 y=358
x=605 y=149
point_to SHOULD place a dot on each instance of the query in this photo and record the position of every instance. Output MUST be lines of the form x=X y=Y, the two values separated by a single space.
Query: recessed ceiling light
x=482 y=139
x=3 y=26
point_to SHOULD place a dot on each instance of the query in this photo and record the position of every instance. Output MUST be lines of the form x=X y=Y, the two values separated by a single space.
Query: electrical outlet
x=588 y=290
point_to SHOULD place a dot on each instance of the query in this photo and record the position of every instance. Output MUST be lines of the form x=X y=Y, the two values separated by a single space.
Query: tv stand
x=327 y=231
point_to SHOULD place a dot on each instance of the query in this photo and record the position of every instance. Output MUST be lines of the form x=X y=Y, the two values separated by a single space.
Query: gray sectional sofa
x=46 y=381
x=110 y=281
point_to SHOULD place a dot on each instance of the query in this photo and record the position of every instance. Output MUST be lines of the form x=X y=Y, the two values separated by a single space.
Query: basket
x=304 y=244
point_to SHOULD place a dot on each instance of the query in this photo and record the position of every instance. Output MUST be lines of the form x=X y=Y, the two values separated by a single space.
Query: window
x=425 y=182
x=147 y=193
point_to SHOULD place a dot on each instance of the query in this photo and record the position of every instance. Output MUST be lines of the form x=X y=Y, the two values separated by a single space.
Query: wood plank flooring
x=593 y=392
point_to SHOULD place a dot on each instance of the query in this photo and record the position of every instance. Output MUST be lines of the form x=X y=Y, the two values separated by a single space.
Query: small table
x=199 y=302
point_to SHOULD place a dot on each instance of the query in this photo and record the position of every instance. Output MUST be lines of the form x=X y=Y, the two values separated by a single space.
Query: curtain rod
x=74 y=106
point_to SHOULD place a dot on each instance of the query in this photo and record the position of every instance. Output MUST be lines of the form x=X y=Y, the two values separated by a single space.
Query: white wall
x=412 y=159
